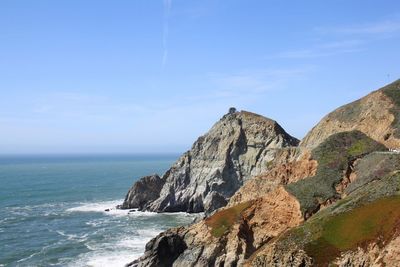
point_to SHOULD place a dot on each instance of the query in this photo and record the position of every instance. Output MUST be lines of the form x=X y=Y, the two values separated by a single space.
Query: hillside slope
x=377 y=115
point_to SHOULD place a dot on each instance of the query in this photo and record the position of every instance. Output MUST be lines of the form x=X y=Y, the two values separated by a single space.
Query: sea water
x=53 y=210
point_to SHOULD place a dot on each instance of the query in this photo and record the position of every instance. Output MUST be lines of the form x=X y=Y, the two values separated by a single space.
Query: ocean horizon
x=54 y=209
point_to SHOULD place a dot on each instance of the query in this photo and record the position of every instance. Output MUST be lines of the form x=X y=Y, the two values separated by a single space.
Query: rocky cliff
x=332 y=201
x=236 y=148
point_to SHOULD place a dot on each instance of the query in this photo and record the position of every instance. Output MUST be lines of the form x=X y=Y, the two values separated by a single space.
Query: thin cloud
x=377 y=28
x=167 y=11
x=256 y=81
x=324 y=50
x=364 y=34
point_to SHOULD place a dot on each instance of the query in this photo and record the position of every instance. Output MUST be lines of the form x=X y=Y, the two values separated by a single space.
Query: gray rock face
x=237 y=147
x=162 y=250
x=145 y=190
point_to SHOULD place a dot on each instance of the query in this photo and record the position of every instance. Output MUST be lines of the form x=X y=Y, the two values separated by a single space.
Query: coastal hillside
x=332 y=201
x=236 y=148
x=377 y=115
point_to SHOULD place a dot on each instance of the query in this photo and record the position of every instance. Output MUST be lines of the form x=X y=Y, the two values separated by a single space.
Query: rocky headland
x=236 y=148
x=330 y=201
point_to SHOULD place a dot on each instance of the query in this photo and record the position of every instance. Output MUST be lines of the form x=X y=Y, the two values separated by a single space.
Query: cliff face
x=236 y=148
x=332 y=201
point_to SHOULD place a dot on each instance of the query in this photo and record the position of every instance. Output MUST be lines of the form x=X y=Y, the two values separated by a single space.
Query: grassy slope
x=358 y=227
x=369 y=214
x=333 y=156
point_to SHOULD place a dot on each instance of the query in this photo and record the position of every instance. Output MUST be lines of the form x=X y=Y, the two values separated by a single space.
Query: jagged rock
x=162 y=250
x=143 y=191
x=204 y=178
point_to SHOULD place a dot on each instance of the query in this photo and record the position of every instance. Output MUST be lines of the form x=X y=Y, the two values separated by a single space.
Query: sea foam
x=110 y=208
x=117 y=253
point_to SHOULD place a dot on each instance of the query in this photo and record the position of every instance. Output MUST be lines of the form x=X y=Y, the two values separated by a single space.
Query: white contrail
x=167 y=10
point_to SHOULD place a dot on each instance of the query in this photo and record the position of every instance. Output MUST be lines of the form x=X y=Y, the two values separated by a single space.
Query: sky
x=144 y=76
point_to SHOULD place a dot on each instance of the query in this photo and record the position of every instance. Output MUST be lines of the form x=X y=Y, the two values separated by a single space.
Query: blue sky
x=151 y=76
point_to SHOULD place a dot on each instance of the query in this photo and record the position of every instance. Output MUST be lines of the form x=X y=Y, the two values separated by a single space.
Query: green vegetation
x=393 y=92
x=369 y=214
x=334 y=156
x=374 y=221
x=221 y=221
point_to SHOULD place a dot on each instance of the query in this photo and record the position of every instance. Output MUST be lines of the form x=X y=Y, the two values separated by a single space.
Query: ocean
x=52 y=210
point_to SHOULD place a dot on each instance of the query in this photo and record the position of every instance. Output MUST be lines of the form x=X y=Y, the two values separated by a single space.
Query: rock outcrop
x=236 y=148
x=143 y=191
x=163 y=250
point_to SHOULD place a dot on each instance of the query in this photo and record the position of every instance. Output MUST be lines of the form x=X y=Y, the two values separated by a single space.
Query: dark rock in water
x=145 y=190
x=204 y=178
x=162 y=250
x=107 y=210
x=132 y=211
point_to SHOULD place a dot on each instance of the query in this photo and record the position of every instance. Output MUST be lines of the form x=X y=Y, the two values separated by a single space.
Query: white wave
x=109 y=208
x=117 y=253
x=38 y=206
x=118 y=250
x=121 y=248
x=149 y=232
x=137 y=243
x=105 y=259
x=101 y=206
x=73 y=236
x=42 y=251
x=30 y=256
x=94 y=223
